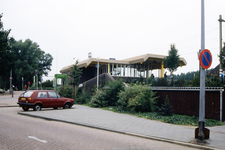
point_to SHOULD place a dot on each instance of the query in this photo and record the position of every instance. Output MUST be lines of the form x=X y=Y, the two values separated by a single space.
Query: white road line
x=32 y=137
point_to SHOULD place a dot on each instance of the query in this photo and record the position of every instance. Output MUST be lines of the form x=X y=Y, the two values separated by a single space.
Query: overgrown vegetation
x=173 y=119
x=137 y=98
x=83 y=97
x=65 y=91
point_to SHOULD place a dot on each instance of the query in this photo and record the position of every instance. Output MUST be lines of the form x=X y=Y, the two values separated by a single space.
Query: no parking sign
x=205 y=58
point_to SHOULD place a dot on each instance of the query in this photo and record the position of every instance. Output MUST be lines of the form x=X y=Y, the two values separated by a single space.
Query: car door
x=56 y=100
x=43 y=98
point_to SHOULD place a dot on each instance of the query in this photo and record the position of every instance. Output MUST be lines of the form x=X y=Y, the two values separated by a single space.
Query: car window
x=42 y=95
x=53 y=95
x=27 y=94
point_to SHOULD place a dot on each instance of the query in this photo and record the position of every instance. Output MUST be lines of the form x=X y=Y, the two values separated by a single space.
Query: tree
x=5 y=55
x=171 y=62
x=75 y=75
x=28 y=57
x=47 y=83
x=222 y=56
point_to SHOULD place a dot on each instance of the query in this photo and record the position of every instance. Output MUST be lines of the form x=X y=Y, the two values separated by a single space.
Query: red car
x=43 y=99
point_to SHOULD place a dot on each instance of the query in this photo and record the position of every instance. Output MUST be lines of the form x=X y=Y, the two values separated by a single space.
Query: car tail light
x=29 y=99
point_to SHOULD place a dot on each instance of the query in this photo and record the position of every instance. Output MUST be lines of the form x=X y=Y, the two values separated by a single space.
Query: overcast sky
x=118 y=29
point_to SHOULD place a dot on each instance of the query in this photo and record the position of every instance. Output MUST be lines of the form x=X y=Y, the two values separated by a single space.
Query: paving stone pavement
x=127 y=124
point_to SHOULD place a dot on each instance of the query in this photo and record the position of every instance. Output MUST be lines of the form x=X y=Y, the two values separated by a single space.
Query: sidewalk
x=7 y=100
x=126 y=124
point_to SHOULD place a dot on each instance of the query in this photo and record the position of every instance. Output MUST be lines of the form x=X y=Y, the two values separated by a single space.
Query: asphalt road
x=19 y=132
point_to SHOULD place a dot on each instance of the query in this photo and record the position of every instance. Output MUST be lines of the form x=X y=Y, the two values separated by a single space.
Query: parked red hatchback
x=43 y=99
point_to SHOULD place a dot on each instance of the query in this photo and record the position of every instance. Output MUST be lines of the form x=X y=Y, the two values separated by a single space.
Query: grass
x=174 y=119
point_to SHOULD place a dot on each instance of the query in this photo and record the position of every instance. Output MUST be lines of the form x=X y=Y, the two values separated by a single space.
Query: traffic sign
x=36 y=72
x=205 y=58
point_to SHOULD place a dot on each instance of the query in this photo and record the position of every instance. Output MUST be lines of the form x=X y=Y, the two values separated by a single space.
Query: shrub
x=166 y=108
x=136 y=98
x=65 y=91
x=83 y=98
x=161 y=82
x=112 y=93
x=99 y=99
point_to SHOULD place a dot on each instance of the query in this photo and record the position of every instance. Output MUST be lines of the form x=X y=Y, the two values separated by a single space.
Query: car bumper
x=25 y=104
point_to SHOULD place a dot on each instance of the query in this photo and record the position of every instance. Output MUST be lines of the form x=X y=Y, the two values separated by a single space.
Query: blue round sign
x=205 y=58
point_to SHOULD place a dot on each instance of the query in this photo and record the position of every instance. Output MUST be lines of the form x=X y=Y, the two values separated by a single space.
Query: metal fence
x=185 y=100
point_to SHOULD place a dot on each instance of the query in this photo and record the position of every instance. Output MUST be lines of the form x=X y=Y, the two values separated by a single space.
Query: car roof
x=42 y=90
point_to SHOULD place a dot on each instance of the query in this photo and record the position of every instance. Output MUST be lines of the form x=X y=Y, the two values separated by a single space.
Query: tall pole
x=97 y=74
x=221 y=41
x=11 y=88
x=201 y=134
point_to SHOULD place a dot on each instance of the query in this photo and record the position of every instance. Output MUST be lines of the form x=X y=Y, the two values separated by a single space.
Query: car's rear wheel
x=25 y=108
x=37 y=107
x=66 y=106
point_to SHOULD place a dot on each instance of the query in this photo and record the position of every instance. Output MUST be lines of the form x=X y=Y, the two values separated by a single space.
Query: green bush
x=166 y=108
x=83 y=98
x=99 y=99
x=65 y=91
x=112 y=93
x=136 y=98
x=161 y=82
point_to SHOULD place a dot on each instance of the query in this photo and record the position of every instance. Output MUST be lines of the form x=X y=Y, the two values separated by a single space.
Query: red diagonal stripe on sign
x=206 y=58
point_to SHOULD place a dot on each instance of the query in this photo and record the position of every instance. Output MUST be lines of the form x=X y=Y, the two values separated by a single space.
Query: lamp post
x=72 y=60
x=220 y=24
x=97 y=73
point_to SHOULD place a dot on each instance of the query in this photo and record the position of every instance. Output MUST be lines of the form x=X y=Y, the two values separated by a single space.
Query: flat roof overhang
x=153 y=59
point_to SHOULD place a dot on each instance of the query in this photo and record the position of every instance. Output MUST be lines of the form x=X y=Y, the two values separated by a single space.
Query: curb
x=127 y=133
x=9 y=106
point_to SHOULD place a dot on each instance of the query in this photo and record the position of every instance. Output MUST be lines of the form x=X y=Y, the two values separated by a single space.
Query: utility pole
x=36 y=74
x=221 y=41
x=11 y=87
x=22 y=83
x=201 y=133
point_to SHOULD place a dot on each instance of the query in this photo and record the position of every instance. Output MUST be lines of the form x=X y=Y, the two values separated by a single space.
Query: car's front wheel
x=25 y=108
x=66 y=106
x=37 y=107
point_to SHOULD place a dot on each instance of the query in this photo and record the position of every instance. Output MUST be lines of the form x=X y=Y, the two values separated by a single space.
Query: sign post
x=201 y=134
x=36 y=74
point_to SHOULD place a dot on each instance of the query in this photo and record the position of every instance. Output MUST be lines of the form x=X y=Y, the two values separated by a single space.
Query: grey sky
x=118 y=29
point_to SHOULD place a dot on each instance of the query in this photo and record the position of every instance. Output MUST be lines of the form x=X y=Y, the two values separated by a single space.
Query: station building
x=134 y=67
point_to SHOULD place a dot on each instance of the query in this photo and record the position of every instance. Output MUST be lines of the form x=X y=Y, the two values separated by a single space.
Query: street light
x=97 y=72
x=220 y=24
x=72 y=60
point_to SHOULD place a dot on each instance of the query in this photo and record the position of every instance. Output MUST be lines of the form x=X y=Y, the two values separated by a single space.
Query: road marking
x=32 y=137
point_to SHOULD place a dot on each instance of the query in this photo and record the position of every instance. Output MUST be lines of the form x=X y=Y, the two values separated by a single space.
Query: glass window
x=27 y=94
x=53 y=95
x=42 y=95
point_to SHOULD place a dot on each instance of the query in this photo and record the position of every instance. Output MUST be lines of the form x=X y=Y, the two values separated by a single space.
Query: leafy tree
x=5 y=55
x=171 y=62
x=75 y=75
x=222 y=56
x=47 y=83
x=28 y=57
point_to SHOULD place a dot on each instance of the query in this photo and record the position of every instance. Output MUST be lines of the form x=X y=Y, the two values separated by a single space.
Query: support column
x=108 y=68
x=162 y=69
